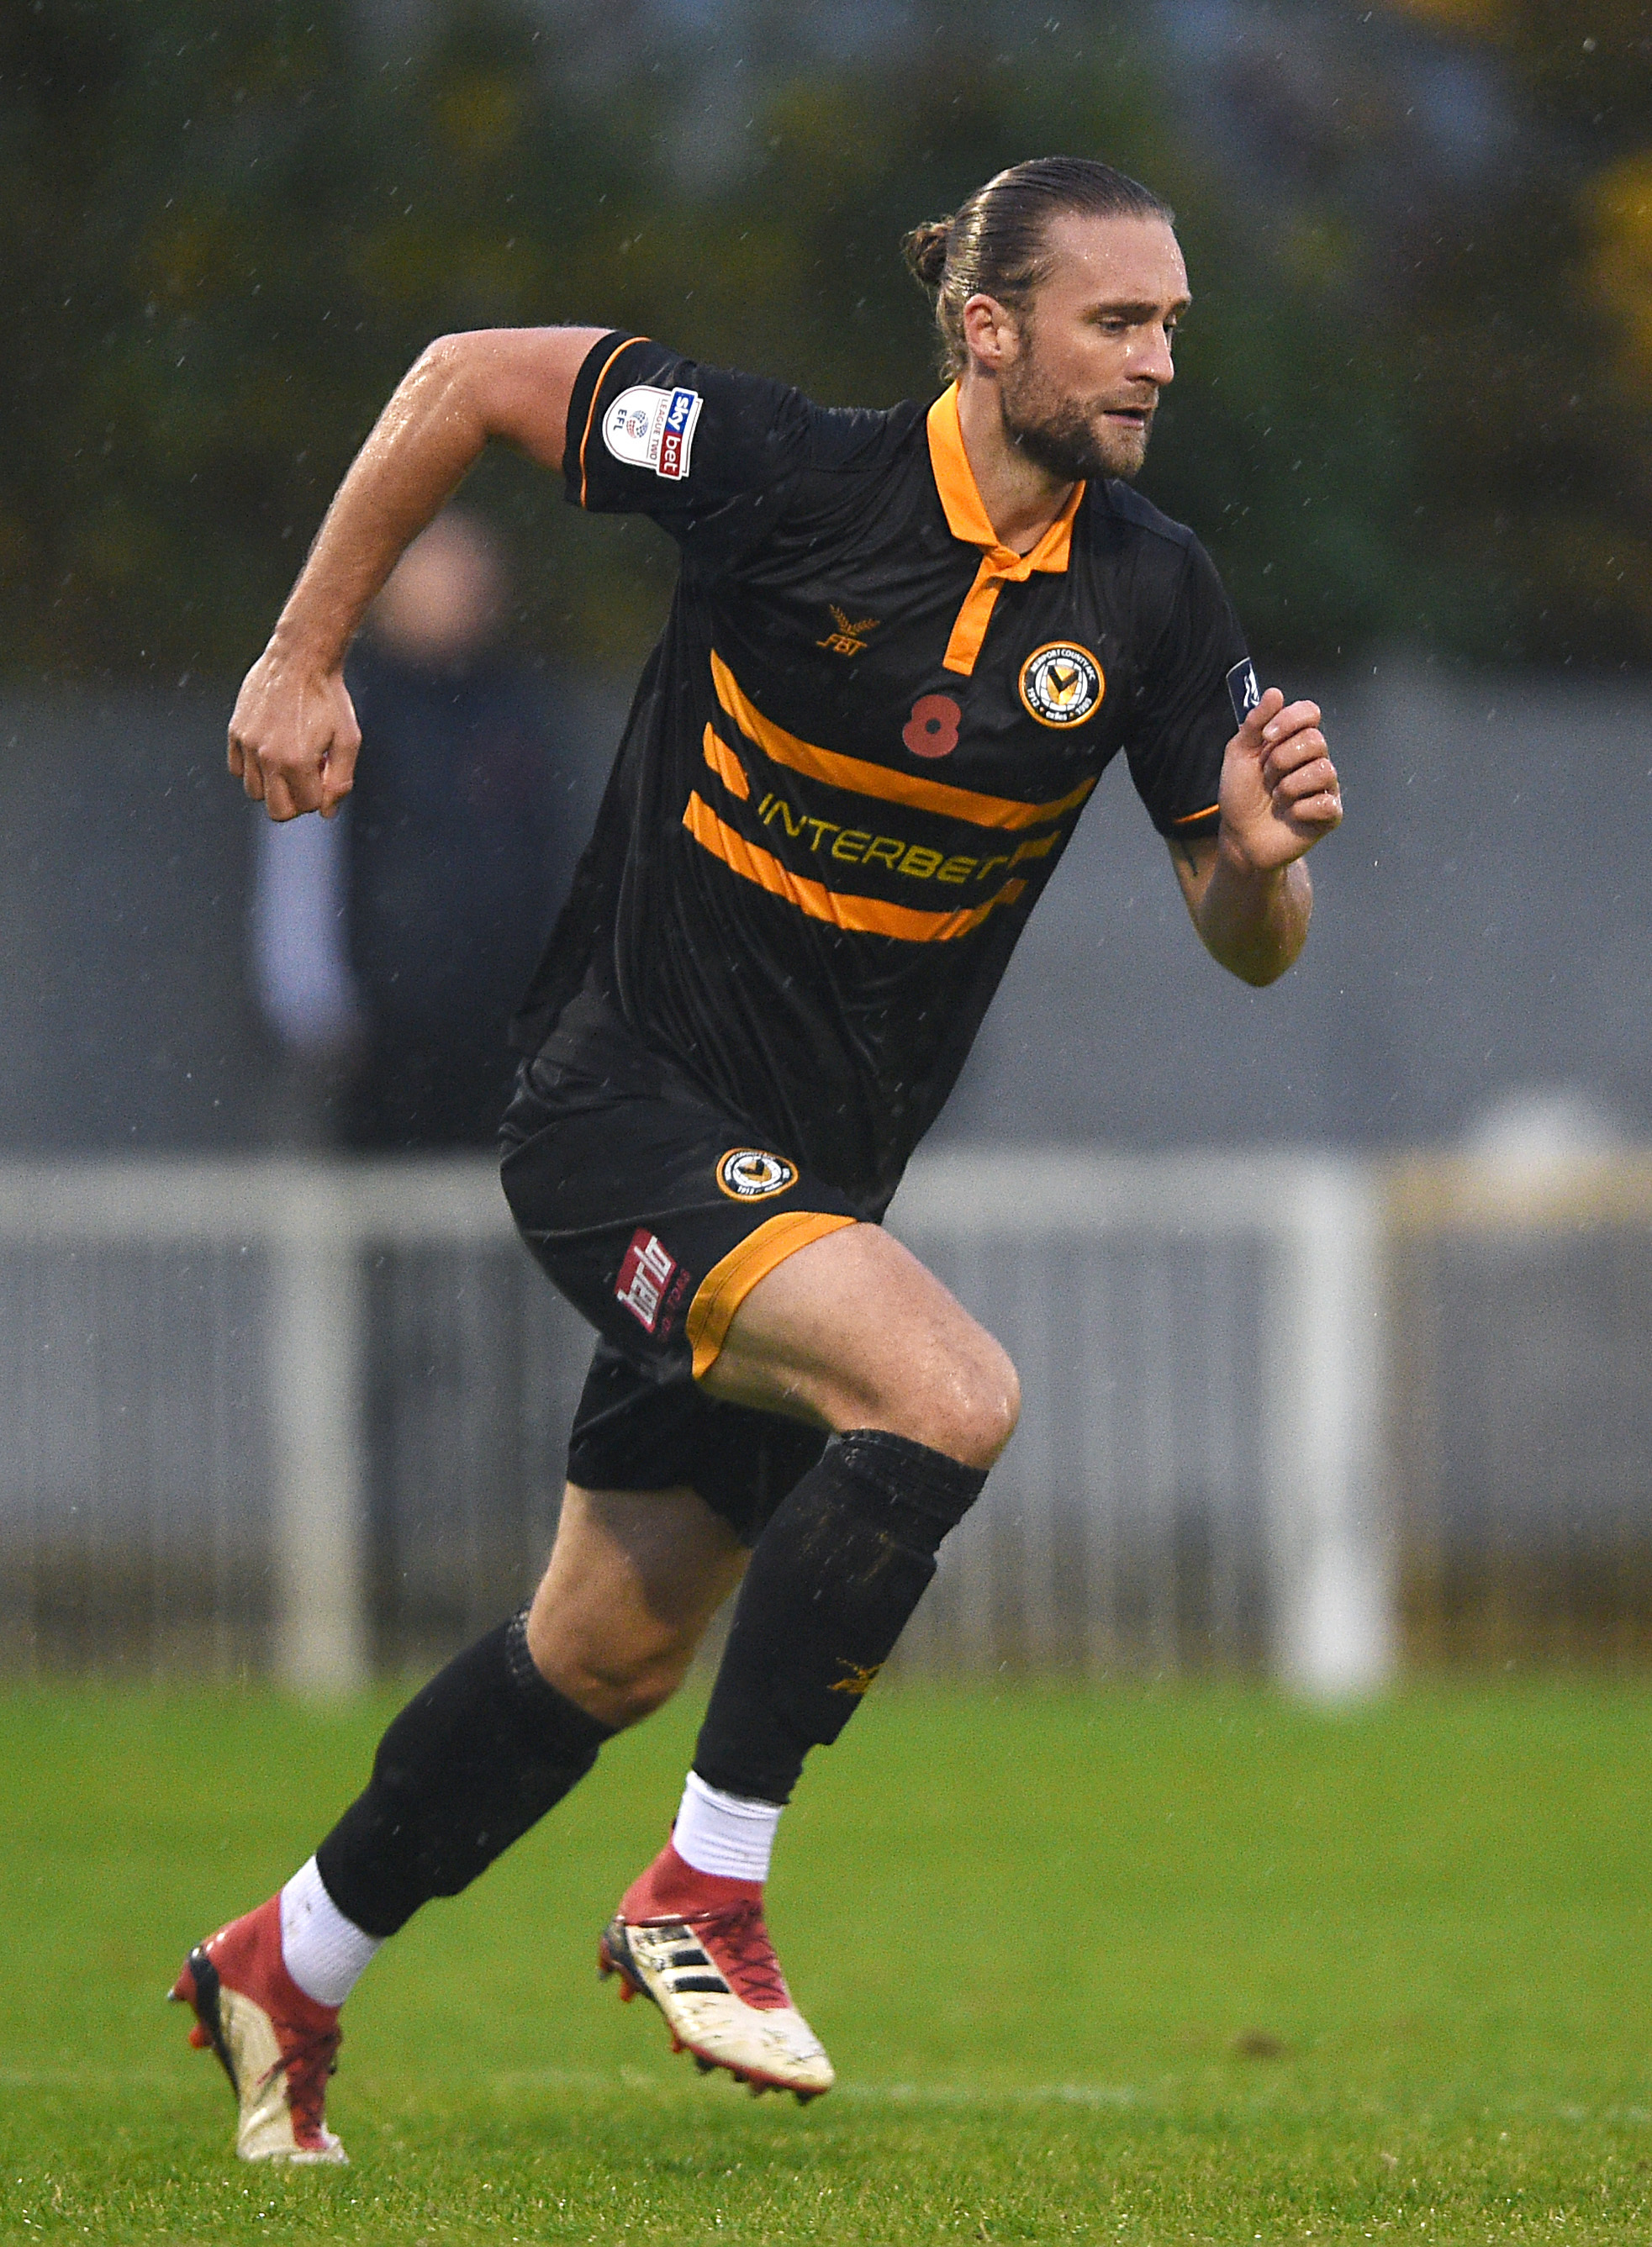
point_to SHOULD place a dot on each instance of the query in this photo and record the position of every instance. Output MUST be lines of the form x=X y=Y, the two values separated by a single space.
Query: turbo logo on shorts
x=1062 y=683
x=747 y=1174
x=651 y=1283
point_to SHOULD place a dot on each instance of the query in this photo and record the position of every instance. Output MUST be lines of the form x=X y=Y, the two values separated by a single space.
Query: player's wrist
x=311 y=645
x=1241 y=859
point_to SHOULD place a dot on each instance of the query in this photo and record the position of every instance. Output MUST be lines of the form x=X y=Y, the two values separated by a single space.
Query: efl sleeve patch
x=650 y=429
x=704 y=451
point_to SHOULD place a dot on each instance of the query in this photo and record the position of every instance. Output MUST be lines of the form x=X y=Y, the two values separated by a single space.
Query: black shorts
x=656 y=1215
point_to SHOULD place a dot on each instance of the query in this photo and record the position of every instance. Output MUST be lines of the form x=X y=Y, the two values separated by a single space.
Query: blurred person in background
x=903 y=648
x=392 y=943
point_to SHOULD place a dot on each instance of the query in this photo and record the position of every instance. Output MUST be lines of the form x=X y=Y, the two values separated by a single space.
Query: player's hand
x=293 y=737
x=1279 y=792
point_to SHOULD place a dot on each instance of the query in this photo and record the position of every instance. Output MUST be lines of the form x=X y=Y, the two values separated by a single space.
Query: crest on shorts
x=1062 y=683
x=748 y=1174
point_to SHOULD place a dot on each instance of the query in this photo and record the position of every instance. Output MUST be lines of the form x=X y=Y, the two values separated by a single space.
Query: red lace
x=738 y=1940
x=309 y=2057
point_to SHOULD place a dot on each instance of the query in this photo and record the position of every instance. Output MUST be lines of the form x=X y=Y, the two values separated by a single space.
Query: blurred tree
x=225 y=233
x=1533 y=326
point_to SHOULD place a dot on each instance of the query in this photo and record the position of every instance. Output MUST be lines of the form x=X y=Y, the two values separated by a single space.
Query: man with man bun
x=903 y=648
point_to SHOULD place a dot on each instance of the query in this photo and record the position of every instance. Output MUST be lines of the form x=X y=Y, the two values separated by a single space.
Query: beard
x=1060 y=434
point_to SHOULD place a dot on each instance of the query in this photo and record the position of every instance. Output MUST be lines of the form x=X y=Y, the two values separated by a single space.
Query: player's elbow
x=1258 y=972
x=451 y=363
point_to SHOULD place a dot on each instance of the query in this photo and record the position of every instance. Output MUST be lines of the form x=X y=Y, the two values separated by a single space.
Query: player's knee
x=973 y=1415
x=618 y=1682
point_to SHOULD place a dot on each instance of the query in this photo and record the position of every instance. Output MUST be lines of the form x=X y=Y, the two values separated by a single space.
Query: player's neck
x=1021 y=500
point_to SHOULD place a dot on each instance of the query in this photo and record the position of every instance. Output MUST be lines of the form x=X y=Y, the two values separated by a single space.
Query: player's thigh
x=852 y=1331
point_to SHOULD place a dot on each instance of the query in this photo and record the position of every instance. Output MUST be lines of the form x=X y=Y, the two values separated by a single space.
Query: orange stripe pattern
x=723 y=761
x=869 y=916
x=861 y=778
x=968 y=519
x=725 y=1287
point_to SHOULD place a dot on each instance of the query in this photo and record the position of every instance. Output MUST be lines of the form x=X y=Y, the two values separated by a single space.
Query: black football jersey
x=861 y=744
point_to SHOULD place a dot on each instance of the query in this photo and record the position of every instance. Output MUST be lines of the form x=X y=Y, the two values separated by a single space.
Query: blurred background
x=281 y=1388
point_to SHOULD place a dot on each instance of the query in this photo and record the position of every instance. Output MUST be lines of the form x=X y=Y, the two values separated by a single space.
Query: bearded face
x=1074 y=436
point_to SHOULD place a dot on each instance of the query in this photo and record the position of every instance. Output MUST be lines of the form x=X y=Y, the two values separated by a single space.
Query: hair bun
x=925 y=248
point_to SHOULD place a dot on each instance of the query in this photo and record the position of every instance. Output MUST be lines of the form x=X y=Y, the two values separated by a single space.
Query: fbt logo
x=647 y=427
x=652 y=1284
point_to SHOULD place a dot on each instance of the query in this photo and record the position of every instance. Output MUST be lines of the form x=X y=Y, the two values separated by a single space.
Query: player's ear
x=991 y=331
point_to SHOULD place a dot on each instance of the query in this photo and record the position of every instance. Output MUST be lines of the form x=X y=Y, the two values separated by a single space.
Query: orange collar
x=968 y=520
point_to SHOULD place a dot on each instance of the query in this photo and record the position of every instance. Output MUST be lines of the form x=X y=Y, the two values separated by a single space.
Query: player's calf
x=471 y=1762
x=835 y=1576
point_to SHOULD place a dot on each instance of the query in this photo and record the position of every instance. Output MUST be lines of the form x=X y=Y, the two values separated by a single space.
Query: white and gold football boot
x=697 y=1946
x=277 y=2044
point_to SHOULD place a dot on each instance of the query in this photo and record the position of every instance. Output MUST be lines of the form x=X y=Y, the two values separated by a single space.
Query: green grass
x=1137 y=1966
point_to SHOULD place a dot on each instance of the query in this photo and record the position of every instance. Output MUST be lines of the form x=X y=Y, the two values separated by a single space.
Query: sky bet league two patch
x=650 y=429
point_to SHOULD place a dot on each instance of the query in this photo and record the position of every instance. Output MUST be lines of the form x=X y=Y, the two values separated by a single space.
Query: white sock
x=727 y=1833
x=325 y=1953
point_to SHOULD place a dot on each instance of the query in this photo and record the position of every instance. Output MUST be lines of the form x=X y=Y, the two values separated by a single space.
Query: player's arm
x=293 y=738
x=1246 y=888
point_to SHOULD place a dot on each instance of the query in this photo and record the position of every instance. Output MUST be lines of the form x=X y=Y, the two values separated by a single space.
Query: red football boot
x=277 y=2045
x=696 y=1944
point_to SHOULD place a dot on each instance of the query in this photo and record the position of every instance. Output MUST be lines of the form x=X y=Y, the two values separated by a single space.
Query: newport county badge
x=1062 y=683
x=748 y=1174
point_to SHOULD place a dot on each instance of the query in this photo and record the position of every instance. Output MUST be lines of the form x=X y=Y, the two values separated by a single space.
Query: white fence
x=275 y=1413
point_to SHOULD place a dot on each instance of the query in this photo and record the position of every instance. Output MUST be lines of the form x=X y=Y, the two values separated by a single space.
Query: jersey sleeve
x=712 y=457
x=1192 y=697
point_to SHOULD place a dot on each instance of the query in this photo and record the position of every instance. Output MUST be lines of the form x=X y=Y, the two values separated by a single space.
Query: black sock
x=835 y=1576
x=469 y=1764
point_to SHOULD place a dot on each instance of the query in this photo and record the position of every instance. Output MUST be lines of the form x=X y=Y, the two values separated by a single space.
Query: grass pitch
x=1140 y=1966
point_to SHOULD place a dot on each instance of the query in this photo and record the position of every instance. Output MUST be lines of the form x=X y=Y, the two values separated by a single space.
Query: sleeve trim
x=1188 y=818
x=596 y=392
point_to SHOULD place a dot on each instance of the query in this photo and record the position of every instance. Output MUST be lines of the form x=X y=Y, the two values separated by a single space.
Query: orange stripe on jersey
x=861 y=778
x=968 y=519
x=591 y=418
x=1188 y=817
x=867 y=915
x=726 y=766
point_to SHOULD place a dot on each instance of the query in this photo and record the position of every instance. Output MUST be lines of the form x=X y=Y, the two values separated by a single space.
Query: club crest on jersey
x=1062 y=683
x=652 y=428
x=748 y=1174
x=1243 y=691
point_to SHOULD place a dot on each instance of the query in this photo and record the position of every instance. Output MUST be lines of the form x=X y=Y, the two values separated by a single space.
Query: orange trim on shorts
x=860 y=778
x=725 y=1287
x=591 y=418
x=1188 y=817
x=968 y=519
